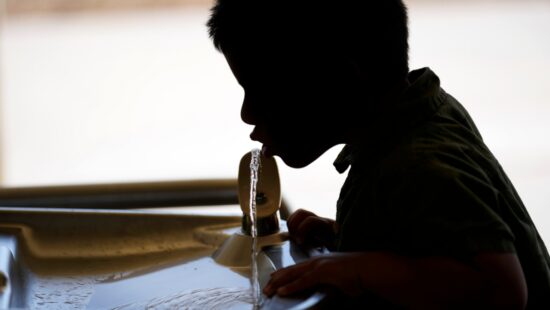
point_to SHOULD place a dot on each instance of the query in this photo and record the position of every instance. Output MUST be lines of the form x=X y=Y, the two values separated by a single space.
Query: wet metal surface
x=53 y=259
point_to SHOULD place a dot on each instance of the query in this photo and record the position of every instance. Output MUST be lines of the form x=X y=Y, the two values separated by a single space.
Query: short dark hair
x=373 y=33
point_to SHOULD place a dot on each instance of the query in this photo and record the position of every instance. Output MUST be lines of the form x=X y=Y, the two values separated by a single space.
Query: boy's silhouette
x=427 y=218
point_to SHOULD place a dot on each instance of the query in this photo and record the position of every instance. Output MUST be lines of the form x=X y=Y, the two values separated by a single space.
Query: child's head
x=308 y=67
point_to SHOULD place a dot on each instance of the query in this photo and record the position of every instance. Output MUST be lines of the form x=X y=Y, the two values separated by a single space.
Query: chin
x=299 y=156
x=297 y=162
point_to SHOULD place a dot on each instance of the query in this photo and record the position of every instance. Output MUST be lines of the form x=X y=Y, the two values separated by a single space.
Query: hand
x=490 y=280
x=307 y=228
x=335 y=270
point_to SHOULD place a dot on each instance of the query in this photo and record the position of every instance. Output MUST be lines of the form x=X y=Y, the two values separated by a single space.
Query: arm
x=493 y=280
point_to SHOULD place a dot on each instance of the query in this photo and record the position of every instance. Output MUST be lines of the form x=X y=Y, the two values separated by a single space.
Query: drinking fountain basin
x=90 y=259
x=53 y=258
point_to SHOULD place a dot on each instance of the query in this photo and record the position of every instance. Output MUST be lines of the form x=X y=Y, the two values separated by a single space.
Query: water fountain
x=260 y=200
x=113 y=259
x=235 y=251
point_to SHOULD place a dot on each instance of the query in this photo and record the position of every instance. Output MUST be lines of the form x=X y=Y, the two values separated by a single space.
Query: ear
x=347 y=68
x=353 y=69
x=351 y=74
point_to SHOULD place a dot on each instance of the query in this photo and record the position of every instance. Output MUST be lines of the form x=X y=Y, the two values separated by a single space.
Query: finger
x=284 y=276
x=309 y=228
x=296 y=218
x=304 y=282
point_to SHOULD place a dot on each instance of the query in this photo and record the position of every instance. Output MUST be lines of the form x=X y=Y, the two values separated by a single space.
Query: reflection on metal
x=235 y=251
x=10 y=274
x=6 y=261
x=64 y=254
x=126 y=259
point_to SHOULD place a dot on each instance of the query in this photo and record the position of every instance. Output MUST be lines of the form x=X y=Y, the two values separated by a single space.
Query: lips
x=258 y=135
x=267 y=151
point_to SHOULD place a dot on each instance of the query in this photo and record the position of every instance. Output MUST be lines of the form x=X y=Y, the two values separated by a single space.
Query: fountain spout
x=235 y=250
x=268 y=195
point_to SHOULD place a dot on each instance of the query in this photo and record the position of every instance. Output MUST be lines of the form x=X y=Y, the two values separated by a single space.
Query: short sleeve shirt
x=424 y=183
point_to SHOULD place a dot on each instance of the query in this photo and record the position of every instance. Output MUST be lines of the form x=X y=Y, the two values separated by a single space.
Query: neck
x=382 y=105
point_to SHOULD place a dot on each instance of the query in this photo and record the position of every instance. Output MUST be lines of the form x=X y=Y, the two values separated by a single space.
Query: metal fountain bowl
x=88 y=255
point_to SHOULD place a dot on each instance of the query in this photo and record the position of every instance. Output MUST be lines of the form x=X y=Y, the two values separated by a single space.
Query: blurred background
x=96 y=91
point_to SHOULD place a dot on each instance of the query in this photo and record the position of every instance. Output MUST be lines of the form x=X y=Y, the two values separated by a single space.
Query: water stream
x=254 y=280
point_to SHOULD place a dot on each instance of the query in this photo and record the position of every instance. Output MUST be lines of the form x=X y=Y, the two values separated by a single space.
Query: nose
x=248 y=115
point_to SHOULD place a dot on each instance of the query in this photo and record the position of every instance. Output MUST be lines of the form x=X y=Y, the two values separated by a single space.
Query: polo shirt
x=422 y=182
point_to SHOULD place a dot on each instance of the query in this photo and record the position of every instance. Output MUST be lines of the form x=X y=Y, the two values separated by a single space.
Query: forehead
x=283 y=64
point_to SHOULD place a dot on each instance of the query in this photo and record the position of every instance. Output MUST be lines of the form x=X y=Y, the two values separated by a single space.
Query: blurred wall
x=123 y=92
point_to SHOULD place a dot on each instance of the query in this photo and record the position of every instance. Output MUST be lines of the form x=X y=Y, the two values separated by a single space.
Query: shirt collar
x=344 y=159
x=421 y=100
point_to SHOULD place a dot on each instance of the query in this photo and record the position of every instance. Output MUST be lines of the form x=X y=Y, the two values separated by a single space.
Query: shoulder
x=439 y=167
x=445 y=147
x=428 y=154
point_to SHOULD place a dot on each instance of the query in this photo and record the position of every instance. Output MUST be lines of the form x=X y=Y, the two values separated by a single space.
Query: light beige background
x=107 y=95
